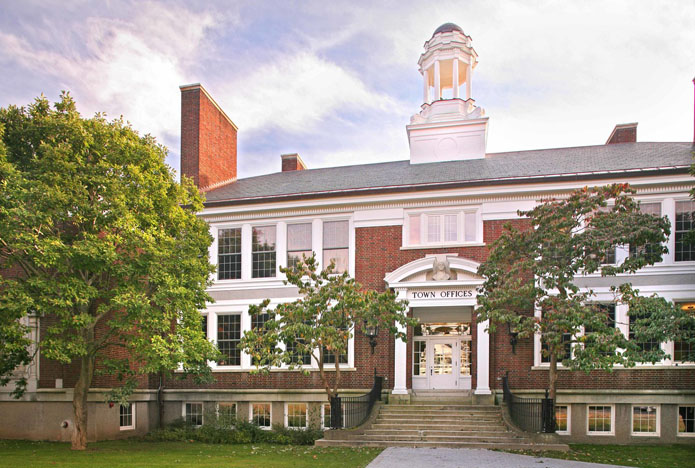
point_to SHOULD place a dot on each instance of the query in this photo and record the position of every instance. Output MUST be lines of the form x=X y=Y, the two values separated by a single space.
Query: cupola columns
x=449 y=126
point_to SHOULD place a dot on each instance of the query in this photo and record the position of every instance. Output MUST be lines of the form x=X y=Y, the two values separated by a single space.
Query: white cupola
x=450 y=126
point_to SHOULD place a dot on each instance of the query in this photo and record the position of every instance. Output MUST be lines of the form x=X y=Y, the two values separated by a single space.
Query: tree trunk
x=79 y=402
x=552 y=375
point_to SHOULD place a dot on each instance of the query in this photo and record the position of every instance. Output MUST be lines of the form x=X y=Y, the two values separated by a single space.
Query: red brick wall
x=623 y=135
x=208 y=140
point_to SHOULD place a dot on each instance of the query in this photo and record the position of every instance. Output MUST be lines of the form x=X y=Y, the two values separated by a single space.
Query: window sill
x=593 y=434
x=344 y=368
x=128 y=428
x=689 y=366
x=644 y=434
x=443 y=246
x=685 y=434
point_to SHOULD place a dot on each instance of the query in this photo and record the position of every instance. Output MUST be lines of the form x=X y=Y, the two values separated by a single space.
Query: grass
x=643 y=456
x=136 y=453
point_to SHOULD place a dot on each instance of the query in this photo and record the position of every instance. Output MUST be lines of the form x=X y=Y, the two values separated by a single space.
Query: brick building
x=421 y=227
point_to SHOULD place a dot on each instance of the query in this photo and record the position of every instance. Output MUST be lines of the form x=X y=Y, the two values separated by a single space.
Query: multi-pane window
x=419 y=358
x=193 y=414
x=296 y=415
x=335 y=245
x=126 y=417
x=652 y=209
x=228 y=337
x=685 y=222
x=562 y=418
x=684 y=350
x=204 y=325
x=260 y=415
x=329 y=357
x=326 y=415
x=686 y=420
x=229 y=254
x=263 y=252
x=226 y=412
x=567 y=351
x=298 y=358
x=298 y=242
x=438 y=228
x=600 y=419
x=645 y=420
x=645 y=345
x=258 y=320
x=606 y=314
x=465 y=358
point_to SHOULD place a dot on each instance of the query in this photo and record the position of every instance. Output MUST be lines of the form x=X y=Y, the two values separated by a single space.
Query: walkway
x=402 y=457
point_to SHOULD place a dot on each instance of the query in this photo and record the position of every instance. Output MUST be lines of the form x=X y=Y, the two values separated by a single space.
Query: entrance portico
x=441 y=291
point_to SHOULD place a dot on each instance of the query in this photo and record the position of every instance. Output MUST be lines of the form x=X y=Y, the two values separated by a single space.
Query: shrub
x=237 y=432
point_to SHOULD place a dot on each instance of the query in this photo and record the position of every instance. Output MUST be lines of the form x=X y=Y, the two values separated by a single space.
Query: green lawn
x=135 y=453
x=643 y=456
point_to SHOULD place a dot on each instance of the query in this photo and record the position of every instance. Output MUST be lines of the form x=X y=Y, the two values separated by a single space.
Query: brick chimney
x=623 y=133
x=208 y=140
x=292 y=162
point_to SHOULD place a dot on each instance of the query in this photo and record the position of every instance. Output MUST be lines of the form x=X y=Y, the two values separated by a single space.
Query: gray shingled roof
x=587 y=161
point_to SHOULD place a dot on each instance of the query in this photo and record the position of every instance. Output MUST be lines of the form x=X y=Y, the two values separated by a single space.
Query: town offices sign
x=442 y=293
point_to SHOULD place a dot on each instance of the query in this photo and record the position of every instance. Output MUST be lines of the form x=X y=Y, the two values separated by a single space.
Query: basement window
x=127 y=417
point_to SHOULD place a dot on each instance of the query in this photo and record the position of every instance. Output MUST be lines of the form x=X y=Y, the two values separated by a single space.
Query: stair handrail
x=347 y=412
x=530 y=414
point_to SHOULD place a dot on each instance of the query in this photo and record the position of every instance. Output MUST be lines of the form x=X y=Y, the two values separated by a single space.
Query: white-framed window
x=263 y=249
x=685 y=221
x=336 y=244
x=228 y=338
x=563 y=419
x=445 y=227
x=226 y=412
x=126 y=415
x=261 y=414
x=193 y=413
x=299 y=242
x=229 y=253
x=296 y=415
x=652 y=208
x=600 y=419
x=684 y=350
x=326 y=416
x=686 y=420
x=419 y=358
x=645 y=420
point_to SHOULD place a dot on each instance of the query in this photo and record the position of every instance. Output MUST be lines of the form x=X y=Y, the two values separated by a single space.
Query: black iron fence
x=349 y=412
x=530 y=414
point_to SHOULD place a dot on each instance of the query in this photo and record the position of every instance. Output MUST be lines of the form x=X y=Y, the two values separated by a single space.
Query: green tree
x=110 y=252
x=535 y=268
x=320 y=323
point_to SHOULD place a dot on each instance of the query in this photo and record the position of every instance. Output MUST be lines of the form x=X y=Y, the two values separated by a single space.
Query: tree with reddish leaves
x=535 y=270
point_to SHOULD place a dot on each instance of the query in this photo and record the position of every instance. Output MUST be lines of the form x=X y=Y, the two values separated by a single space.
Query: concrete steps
x=453 y=424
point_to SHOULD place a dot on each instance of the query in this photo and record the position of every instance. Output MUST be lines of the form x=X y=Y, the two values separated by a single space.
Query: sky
x=338 y=81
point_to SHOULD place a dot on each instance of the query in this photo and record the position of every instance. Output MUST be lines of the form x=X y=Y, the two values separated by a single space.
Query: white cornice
x=427 y=199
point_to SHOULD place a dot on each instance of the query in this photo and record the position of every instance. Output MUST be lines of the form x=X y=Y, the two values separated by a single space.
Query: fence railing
x=530 y=414
x=349 y=412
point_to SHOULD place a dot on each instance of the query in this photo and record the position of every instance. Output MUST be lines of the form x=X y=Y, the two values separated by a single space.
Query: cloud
x=129 y=66
x=297 y=93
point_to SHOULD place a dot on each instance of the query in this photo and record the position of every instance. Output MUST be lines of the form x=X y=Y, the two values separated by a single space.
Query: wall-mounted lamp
x=513 y=337
x=371 y=332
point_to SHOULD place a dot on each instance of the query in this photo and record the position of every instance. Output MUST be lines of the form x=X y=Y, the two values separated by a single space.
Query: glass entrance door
x=444 y=367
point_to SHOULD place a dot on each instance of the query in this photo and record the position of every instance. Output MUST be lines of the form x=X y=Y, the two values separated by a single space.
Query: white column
x=668 y=209
x=317 y=241
x=281 y=247
x=437 y=82
x=469 y=79
x=455 y=77
x=426 y=88
x=483 y=360
x=246 y=244
x=400 y=360
x=245 y=326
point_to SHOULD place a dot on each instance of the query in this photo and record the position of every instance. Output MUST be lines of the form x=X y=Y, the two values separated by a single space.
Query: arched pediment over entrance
x=431 y=270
